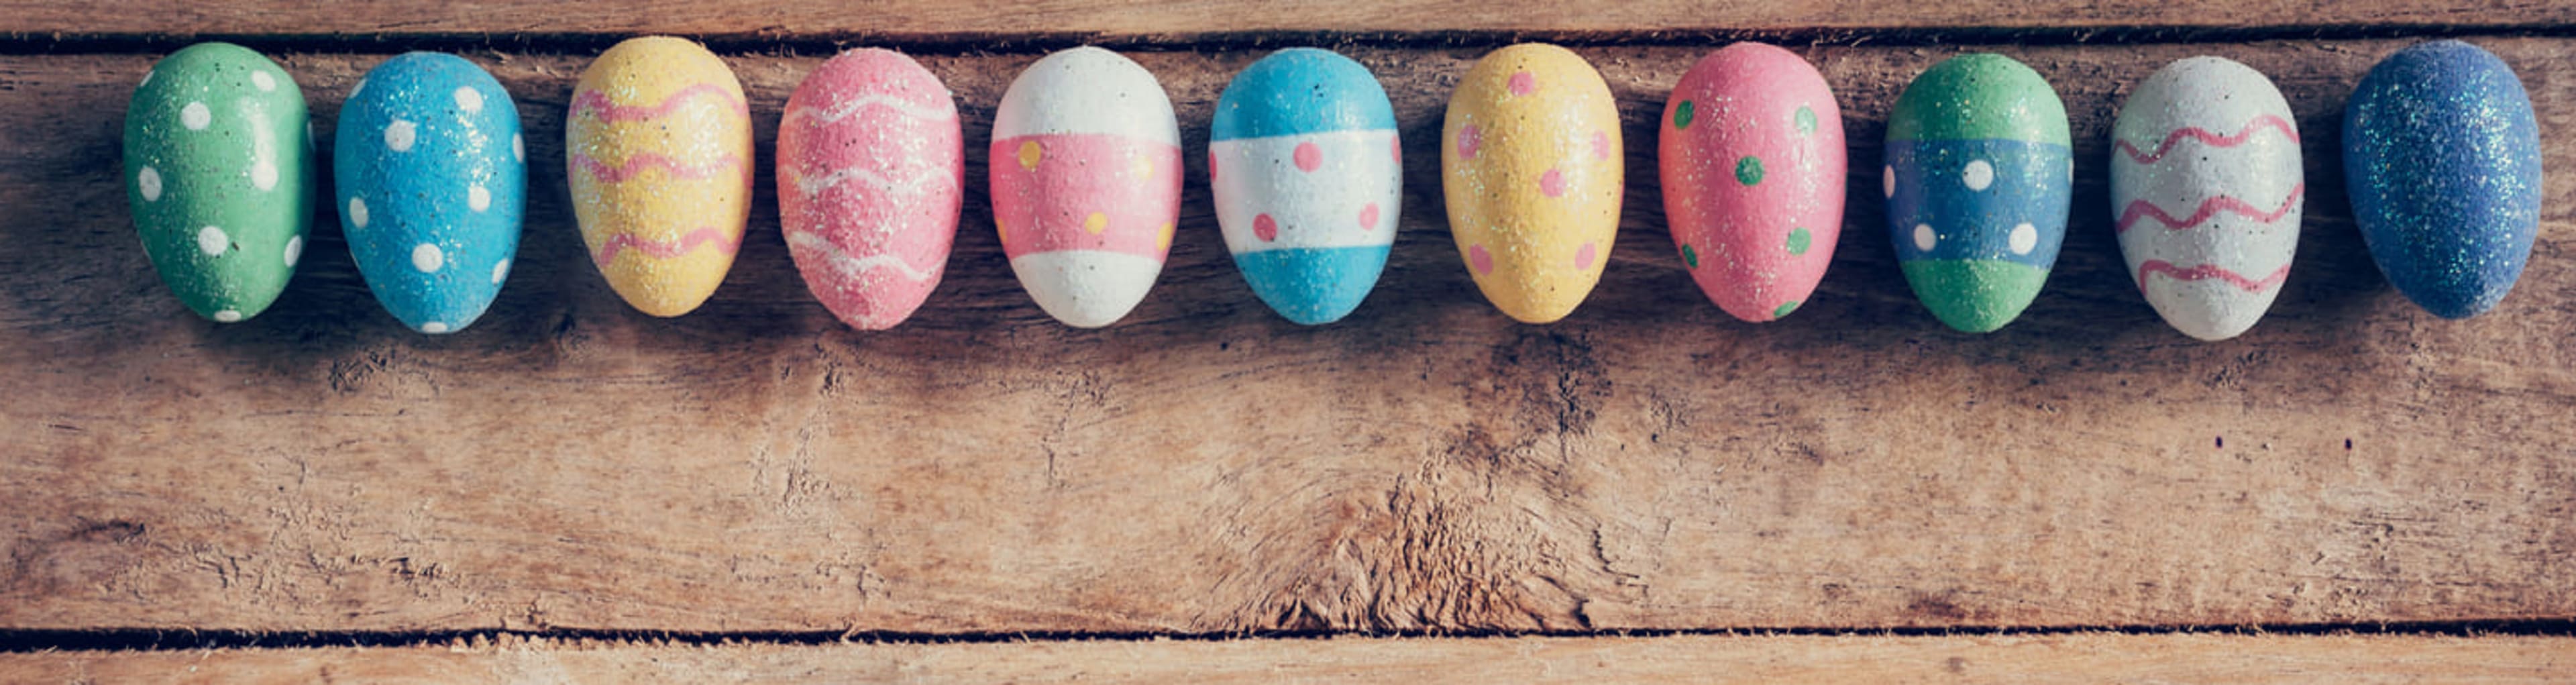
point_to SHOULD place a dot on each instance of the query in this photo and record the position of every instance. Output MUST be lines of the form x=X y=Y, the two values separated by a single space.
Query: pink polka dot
x=1552 y=183
x=1265 y=228
x=1524 y=83
x=1368 y=217
x=1395 y=148
x=1583 y=257
x=1211 y=165
x=1309 y=157
x=1481 y=260
x=1468 y=140
x=1600 y=144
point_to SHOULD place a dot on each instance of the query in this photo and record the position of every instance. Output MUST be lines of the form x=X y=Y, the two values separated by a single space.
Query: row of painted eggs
x=2440 y=150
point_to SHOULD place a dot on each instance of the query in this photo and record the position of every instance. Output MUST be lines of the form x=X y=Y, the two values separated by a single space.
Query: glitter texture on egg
x=1752 y=166
x=1085 y=169
x=2441 y=156
x=2206 y=193
x=1306 y=171
x=1531 y=165
x=219 y=172
x=658 y=150
x=871 y=173
x=1978 y=180
x=430 y=185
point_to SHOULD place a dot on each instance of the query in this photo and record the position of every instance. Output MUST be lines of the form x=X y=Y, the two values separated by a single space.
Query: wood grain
x=982 y=24
x=1207 y=467
x=1707 y=660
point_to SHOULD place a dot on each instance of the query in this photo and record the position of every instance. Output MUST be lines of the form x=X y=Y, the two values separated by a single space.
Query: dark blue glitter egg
x=2442 y=159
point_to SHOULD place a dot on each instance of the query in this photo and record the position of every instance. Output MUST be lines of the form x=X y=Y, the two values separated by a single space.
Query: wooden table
x=1648 y=490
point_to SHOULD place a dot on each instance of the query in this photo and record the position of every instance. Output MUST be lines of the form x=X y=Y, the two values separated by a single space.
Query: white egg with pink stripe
x=2206 y=193
x=1086 y=182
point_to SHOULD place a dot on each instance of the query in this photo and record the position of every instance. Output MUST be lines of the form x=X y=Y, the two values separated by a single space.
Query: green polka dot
x=1690 y=256
x=1799 y=240
x=1749 y=170
x=1682 y=115
x=1785 y=308
x=1806 y=119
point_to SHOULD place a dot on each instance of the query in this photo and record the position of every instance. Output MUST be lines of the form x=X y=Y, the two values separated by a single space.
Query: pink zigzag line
x=644 y=160
x=2208 y=208
x=2209 y=271
x=598 y=104
x=666 y=250
x=2212 y=139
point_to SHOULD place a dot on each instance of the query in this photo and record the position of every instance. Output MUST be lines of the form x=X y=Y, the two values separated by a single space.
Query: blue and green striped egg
x=1978 y=178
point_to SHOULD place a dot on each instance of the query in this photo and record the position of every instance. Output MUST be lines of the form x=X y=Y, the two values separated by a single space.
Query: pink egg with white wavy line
x=1086 y=178
x=871 y=171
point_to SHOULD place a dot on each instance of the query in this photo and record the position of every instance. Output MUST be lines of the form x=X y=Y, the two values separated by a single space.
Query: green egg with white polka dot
x=219 y=172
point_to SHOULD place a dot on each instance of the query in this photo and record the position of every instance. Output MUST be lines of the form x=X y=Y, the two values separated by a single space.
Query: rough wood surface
x=972 y=23
x=1204 y=466
x=1707 y=660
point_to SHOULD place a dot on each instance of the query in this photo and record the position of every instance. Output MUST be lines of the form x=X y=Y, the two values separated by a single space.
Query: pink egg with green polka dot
x=1752 y=163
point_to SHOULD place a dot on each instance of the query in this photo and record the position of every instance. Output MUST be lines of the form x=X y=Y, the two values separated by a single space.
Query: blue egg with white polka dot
x=432 y=179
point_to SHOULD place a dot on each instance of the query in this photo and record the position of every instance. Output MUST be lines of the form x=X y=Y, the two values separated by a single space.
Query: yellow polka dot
x=1144 y=168
x=1029 y=155
x=1095 y=223
x=1002 y=231
x=1164 y=240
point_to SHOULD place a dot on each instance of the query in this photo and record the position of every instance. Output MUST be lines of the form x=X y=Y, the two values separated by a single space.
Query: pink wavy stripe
x=666 y=250
x=598 y=104
x=645 y=160
x=2210 y=207
x=2209 y=271
x=2212 y=139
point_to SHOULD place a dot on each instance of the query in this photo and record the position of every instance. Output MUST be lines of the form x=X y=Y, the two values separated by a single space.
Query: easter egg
x=2206 y=190
x=219 y=173
x=658 y=150
x=432 y=179
x=1530 y=163
x=871 y=172
x=2442 y=158
x=1086 y=177
x=1308 y=179
x=1752 y=166
x=1978 y=178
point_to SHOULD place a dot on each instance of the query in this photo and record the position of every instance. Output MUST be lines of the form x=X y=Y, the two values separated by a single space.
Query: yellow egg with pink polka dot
x=1530 y=161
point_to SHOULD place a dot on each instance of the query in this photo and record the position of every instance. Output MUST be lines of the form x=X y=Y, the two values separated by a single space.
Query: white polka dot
x=294 y=249
x=500 y=271
x=1887 y=179
x=427 y=258
x=262 y=81
x=212 y=241
x=399 y=135
x=263 y=174
x=147 y=79
x=357 y=213
x=195 y=116
x=477 y=198
x=228 y=316
x=360 y=88
x=518 y=148
x=149 y=182
x=469 y=99
x=1924 y=239
x=2023 y=238
x=433 y=327
x=1979 y=175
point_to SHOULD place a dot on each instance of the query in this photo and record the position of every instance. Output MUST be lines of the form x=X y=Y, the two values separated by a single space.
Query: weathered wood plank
x=970 y=22
x=1206 y=467
x=1712 y=660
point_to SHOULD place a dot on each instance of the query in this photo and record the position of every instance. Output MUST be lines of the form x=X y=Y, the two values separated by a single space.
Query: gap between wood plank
x=148 y=639
x=749 y=43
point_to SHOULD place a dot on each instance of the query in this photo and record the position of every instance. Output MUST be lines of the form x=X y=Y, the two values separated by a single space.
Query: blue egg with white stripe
x=432 y=180
x=1308 y=175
